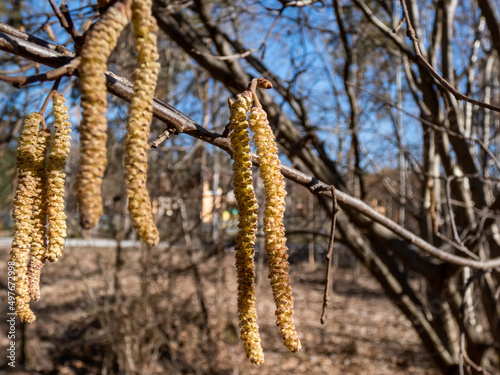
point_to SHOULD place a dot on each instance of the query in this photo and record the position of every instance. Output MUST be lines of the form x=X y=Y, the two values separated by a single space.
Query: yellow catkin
x=98 y=44
x=39 y=215
x=34 y=271
x=247 y=208
x=55 y=181
x=139 y=120
x=273 y=226
x=23 y=202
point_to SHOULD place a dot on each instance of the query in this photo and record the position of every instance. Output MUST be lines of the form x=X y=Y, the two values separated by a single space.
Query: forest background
x=396 y=104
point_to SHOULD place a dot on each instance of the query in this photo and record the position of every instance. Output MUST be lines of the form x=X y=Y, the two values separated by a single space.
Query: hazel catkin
x=98 y=45
x=274 y=229
x=139 y=120
x=23 y=202
x=55 y=179
x=245 y=241
x=38 y=215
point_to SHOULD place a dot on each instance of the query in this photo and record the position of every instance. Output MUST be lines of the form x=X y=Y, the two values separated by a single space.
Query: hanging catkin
x=38 y=215
x=98 y=44
x=55 y=179
x=139 y=120
x=23 y=202
x=273 y=225
x=245 y=241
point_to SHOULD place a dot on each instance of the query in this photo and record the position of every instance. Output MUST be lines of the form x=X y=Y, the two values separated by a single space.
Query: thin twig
x=55 y=86
x=471 y=363
x=51 y=75
x=326 y=297
x=224 y=58
x=461 y=248
x=398 y=26
x=20 y=69
x=462 y=352
x=60 y=16
x=451 y=213
x=64 y=17
x=72 y=30
x=286 y=4
x=263 y=44
x=163 y=136
x=440 y=80
x=432 y=125
x=46 y=101
x=301 y=3
x=225 y=132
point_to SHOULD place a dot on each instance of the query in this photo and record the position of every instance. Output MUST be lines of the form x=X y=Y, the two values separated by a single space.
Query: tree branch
x=335 y=211
x=52 y=75
x=440 y=80
x=66 y=22
x=490 y=14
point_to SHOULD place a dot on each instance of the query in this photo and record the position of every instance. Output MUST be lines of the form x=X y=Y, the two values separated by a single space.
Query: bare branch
x=490 y=14
x=433 y=125
x=13 y=32
x=385 y=29
x=231 y=57
x=62 y=14
x=440 y=80
x=163 y=136
x=335 y=211
x=51 y=75
x=300 y=3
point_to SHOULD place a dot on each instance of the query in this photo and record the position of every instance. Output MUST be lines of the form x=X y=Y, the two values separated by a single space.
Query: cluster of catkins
x=40 y=192
x=39 y=200
x=243 y=115
x=98 y=45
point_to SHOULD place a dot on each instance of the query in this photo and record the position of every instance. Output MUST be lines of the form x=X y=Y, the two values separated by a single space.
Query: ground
x=154 y=321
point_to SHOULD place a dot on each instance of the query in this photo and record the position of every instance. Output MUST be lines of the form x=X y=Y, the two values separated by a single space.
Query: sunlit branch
x=231 y=57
